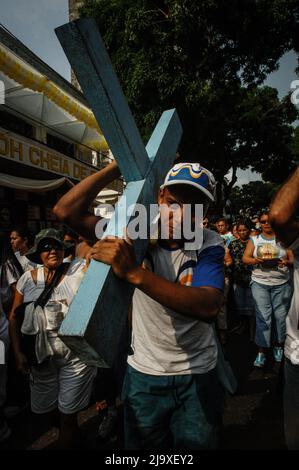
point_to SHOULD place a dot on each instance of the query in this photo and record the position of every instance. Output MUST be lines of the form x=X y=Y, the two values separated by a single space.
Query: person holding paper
x=271 y=289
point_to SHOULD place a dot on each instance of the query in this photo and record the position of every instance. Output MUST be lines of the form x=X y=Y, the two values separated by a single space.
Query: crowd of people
x=243 y=278
x=259 y=272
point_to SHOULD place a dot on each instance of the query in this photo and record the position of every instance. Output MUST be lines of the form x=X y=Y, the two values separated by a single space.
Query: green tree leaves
x=208 y=60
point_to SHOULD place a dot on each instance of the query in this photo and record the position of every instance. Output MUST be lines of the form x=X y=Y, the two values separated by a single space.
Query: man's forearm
x=79 y=198
x=72 y=208
x=284 y=209
x=202 y=303
x=249 y=260
x=286 y=201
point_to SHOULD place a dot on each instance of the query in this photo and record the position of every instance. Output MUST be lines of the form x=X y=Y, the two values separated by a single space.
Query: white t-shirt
x=292 y=321
x=61 y=296
x=26 y=264
x=164 y=341
x=268 y=248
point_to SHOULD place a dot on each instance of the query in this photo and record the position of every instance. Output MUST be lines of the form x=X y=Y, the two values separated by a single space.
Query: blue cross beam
x=97 y=314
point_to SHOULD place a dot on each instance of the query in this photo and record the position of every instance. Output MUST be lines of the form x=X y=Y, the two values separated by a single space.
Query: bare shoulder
x=32 y=274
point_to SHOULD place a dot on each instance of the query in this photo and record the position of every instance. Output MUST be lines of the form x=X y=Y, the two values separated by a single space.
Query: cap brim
x=189 y=183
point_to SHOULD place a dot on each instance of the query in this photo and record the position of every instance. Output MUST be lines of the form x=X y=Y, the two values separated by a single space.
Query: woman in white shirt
x=62 y=381
x=270 y=288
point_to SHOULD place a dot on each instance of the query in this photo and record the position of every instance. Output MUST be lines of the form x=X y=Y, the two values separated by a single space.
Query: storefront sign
x=27 y=152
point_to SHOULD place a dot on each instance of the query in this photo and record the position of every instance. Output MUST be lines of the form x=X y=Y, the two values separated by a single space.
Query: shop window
x=60 y=145
x=15 y=124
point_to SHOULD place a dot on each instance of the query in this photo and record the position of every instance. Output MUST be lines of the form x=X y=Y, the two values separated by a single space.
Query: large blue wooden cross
x=97 y=314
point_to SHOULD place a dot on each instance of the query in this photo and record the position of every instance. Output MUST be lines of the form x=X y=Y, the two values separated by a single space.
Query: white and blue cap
x=194 y=175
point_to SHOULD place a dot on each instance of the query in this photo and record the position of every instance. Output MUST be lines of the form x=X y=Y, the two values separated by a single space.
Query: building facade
x=49 y=138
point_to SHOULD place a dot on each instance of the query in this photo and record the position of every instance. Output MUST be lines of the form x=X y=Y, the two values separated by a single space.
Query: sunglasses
x=264 y=221
x=49 y=246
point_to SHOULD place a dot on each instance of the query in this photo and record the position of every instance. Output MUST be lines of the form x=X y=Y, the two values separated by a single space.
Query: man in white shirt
x=284 y=220
x=171 y=391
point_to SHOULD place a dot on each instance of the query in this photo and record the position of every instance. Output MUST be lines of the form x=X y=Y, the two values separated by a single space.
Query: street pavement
x=252 y=419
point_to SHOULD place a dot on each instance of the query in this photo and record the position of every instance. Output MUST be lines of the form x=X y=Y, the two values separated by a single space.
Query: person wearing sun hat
x=171 y=391
x=50 y=234
x=60 y=380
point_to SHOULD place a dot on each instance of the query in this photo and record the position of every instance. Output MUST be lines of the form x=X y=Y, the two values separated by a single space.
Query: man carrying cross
x=171 y=391
x=171 y=387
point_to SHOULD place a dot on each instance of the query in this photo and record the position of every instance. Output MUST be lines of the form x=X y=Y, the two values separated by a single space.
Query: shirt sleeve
x=21 y=284
x=209 y=271
x=11 y=278
x=76 y=266
x=11 y=275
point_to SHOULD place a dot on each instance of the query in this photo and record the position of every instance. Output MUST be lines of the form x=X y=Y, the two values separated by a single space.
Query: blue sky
x=34 y=21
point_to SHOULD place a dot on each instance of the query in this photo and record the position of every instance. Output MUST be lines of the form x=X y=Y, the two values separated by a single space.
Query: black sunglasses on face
x=264 y=221
x=50 y=246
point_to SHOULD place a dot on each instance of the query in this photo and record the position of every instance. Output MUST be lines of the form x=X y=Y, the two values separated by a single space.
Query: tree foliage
x=255 y=196
x=208 y=59
x=294 y=146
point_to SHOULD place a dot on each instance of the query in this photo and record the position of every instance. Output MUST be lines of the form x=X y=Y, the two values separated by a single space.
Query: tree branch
x=233 y=180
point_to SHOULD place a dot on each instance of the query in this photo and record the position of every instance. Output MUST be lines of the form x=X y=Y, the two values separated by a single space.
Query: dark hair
x=222 y=219
x=245 y=223
x=8 y=260
x=24 y=233
x=264 y=212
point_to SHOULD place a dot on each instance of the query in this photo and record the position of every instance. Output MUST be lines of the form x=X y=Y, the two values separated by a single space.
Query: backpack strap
x=47 y=292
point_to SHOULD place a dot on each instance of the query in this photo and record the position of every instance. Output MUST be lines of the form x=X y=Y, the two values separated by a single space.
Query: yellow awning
x=21 y=72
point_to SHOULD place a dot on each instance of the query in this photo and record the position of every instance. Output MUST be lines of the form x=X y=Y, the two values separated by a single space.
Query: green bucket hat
x=47 y=233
